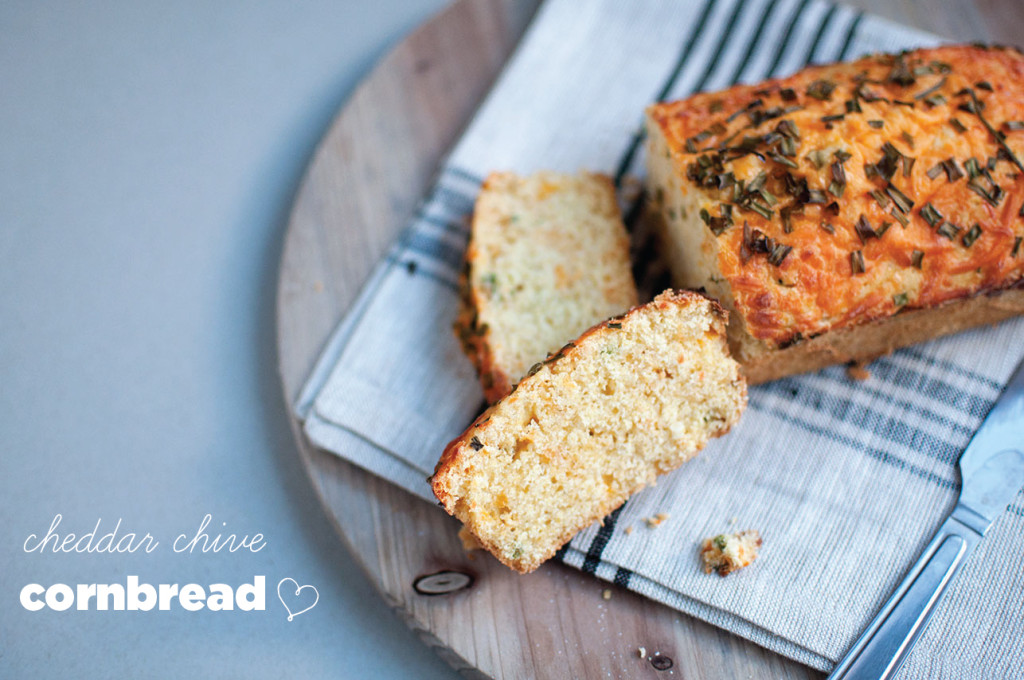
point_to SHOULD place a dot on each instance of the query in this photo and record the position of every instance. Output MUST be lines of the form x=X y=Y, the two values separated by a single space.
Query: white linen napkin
x=845 y=480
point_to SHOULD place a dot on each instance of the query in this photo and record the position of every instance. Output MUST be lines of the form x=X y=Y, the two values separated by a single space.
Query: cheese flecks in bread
x=848 y=209
x=725 y=553
x=548 y=257
x=632 y=398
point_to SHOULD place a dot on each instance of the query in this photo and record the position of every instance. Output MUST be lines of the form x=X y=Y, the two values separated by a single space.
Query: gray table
x=149 y=153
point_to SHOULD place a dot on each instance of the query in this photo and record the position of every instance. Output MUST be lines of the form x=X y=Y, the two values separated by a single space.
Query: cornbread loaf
x=849 y=209
x=633 y=397
x=548 y=257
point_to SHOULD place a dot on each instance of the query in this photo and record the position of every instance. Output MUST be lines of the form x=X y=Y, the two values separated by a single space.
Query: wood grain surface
x=374 y=164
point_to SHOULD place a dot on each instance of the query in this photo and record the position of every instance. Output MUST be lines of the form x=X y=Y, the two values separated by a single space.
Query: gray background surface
x=149 y=153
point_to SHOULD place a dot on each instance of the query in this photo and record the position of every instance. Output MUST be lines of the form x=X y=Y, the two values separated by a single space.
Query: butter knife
x=992 y=472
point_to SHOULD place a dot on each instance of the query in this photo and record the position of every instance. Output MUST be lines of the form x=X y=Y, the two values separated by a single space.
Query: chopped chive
x=908 y=139
x=976 y=108
x=821 y=89
x=908 y=165
x=779 y=253
x=937 y=86
x=818 y=157
x=935 y=100
x=972 y=167
x=900 y=299
x=705 y=216
x=931 y=215
x=833 y=118
x=864 y=229
x=782 y=160
x=836 y=189
x=832 y=208
x=880 y=198
x=935 y=171
x=787 y=128
x=953 y=172
x=816 y=196
x=842 y=155
x=984 y=85
x=718 y=225
x=948 y=229
x=857 y=262
x=991 y=197
x=916 y=258
x=957 y=125
x=614 y=325
x=882 y=229
x=828 y=227
x=900 y=217
x=476 y=444
x=853 y=106
x=971 y=236
x=838 y=175
x=877 y=124
x=899 y=198
x=1016 y=246
x=787 y=94
x=1014 y=125
x=716 y=106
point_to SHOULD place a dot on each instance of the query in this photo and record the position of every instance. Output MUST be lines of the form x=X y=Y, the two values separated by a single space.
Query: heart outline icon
x=298 y=591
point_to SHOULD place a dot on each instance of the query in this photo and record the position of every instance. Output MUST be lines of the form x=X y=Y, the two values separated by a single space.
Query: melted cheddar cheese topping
x=850 y=192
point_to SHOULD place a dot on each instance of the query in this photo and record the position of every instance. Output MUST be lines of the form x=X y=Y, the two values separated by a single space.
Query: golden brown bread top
x=849 y=192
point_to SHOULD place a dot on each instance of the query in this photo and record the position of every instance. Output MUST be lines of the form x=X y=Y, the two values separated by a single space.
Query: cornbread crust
x=881 y=336
x=816 y=272
x=548 y=257
x=633 y=397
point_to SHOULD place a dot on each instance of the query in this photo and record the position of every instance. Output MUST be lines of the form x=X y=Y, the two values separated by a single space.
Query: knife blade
x=991 y=472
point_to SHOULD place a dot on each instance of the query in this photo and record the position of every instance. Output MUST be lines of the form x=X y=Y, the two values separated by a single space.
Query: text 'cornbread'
x=632 y=398
x=849 y=209
x=548 y=257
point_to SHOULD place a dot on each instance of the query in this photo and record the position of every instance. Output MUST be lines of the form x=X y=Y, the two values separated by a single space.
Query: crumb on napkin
x=725 y=553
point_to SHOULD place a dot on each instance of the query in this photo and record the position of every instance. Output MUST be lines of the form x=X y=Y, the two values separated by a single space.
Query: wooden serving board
x=375 y=163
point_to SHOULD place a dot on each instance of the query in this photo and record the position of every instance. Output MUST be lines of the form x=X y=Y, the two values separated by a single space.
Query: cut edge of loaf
x=489 y=344
x=472 y=451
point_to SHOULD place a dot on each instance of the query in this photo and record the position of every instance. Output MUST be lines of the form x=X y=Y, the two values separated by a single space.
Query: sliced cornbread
x=548 y=257
x=849 y=209
x=630 y=399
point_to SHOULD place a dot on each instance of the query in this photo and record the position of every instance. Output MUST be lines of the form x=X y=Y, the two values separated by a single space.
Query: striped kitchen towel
x=845 y=480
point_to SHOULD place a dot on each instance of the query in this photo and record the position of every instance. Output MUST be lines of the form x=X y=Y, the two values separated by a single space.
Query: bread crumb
x=857 y=371
x=725 y=553
x=318 y=286
x=642 y=652
x=628 y=530
x=653 y=522
x=732 y=520
x=606 y=594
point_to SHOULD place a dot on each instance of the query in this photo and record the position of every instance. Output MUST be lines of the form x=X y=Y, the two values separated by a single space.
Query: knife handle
x=884 y=645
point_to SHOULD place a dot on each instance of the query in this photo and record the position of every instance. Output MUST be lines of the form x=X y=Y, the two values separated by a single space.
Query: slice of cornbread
x=632 y=398
x=548 y=257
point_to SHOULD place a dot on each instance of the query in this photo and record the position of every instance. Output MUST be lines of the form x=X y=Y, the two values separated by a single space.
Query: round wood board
x=375 y=163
